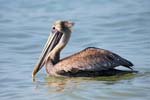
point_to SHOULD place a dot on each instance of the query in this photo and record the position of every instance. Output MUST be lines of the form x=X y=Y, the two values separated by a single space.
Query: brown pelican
x=88 y=62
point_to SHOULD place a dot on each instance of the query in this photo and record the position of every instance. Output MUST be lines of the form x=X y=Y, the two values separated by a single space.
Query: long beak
x=50 y=44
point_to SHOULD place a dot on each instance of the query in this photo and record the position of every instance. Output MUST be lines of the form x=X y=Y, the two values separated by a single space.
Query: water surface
x=120 y=26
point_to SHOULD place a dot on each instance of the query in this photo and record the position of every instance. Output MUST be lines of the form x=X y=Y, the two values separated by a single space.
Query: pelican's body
x=88 y=62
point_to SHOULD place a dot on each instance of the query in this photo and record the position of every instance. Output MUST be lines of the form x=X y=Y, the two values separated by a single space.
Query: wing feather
x=92 y=59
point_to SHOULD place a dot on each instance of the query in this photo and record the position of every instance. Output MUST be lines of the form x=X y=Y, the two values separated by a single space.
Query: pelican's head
x=63 y=26
x=58 y=38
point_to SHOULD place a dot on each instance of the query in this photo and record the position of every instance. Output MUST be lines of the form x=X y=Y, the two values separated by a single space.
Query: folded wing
x=92 y=59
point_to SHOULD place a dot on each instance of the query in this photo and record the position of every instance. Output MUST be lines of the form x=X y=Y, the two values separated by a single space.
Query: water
x=122 y=26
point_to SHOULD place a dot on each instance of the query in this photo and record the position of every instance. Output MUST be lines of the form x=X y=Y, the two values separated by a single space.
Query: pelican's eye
x=53 y=30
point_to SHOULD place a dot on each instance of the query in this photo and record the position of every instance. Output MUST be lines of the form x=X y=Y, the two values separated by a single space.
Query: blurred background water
x=122 y=26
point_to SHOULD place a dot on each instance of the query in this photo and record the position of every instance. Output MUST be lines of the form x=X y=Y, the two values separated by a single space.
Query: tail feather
x=127 y=64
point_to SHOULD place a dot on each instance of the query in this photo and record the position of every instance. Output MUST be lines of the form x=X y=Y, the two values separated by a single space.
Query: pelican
x=88 y=62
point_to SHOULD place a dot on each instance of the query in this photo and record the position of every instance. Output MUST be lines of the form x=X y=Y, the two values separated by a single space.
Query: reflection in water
x=58 y=84
x=61 y=88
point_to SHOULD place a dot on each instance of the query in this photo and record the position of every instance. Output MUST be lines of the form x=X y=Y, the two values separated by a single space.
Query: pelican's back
x=91 y=59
